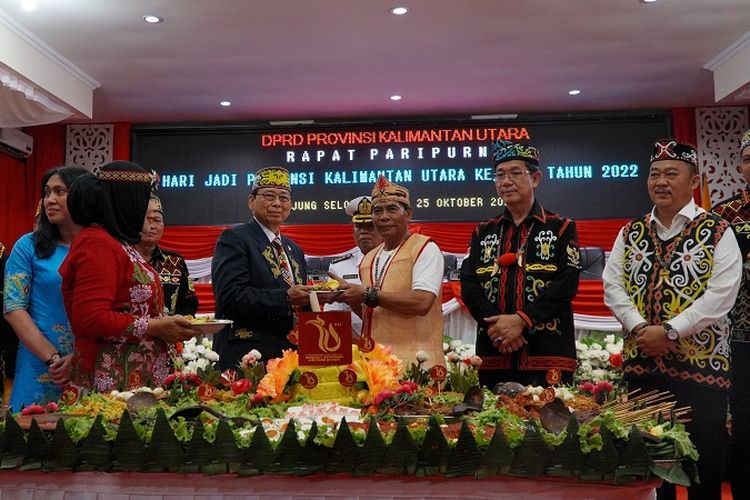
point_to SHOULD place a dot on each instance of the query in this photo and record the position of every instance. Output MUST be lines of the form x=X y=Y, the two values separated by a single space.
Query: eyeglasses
x=271 y=197
x=513 y=175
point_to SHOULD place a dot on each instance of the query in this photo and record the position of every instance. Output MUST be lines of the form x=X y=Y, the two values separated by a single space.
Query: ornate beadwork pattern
x=719 y=131
x=687 y=261
x=89 y=146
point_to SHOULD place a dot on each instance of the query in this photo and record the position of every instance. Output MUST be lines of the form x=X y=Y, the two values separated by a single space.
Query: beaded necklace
x=378 y=273
x=664 y=260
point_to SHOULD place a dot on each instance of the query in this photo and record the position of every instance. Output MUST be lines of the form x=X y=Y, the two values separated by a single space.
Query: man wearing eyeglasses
x=520 y=278
x=347 y=266
x=259 y=275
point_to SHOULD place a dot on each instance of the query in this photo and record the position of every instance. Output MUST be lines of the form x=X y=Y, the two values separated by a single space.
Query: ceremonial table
x=99 y=485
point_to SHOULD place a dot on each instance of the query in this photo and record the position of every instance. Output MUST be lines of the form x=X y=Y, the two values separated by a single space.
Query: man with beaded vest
x=520 y=278
x=259 y=276
x=736 y=211
x=399 y=299
x=671 y=280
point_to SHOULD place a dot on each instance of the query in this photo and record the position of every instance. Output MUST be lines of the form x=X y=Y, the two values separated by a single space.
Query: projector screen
x=594 y=168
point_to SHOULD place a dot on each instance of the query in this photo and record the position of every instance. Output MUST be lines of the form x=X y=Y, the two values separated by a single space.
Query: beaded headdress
x=503 y=151
x=271 y=177
x=672 y=149
x=386 y=190
x=745 y=141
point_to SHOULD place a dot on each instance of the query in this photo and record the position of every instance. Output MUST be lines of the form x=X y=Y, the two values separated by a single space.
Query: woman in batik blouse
x=112 y=295
x=33 y=304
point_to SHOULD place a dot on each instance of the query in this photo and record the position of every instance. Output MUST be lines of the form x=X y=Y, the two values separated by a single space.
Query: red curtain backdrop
x=121 y=142
x=13 y=200
x=196 y=242
x=683 y=129
x=19 y=189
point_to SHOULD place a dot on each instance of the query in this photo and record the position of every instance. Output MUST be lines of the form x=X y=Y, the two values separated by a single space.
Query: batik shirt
x=110 y=292
x=179 y=294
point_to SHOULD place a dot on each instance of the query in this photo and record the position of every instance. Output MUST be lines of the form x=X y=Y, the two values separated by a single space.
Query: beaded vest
x=660 y=294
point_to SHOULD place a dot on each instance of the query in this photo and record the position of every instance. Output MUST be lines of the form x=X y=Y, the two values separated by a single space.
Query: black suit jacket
x=250 y=290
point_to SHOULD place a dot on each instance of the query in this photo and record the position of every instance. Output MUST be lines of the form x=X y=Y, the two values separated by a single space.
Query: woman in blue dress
x=33 y=303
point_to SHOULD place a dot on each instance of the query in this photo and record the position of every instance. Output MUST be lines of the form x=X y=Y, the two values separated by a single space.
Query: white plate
x=211 y=327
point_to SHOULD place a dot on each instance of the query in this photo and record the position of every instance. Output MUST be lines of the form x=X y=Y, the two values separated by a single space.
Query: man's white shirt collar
x=687 y=213
x=269 y=234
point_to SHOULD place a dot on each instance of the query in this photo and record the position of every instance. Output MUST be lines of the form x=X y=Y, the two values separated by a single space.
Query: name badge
x=350 y=276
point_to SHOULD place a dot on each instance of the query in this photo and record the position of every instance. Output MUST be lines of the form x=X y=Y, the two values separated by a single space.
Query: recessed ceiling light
x=395 y=97
x=648 y=1
x=574 y=92
x=152 y=19
x=499 y=116
x=28 y=5
x=226 y=103
x=399 y=11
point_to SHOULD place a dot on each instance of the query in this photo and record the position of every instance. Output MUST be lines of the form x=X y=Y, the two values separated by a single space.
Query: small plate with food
x=323 y=293
x=208 y=326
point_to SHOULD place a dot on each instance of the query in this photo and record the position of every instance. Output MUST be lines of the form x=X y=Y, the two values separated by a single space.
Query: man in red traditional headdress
x=399 y=300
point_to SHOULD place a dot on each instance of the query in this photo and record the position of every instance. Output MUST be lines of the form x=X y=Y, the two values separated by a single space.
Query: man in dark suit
x=259 y=275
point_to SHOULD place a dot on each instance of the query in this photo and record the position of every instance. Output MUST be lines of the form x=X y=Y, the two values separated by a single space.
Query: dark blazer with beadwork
x=250 y=290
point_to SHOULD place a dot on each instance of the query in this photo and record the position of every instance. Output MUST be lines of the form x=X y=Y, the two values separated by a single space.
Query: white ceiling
x=337 y=59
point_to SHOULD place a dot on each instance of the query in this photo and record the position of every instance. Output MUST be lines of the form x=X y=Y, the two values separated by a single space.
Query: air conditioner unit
x=16 y=143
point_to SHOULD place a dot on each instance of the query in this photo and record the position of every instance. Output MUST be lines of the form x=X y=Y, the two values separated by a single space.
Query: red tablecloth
x=131 y=485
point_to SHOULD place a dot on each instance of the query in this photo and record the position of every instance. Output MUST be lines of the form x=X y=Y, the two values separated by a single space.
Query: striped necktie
x=286 y=271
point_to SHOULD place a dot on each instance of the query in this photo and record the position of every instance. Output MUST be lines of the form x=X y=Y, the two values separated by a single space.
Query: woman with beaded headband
x=112 y=295
x=33 y=304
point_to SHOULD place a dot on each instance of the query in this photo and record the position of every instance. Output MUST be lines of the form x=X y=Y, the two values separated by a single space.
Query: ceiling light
x=225 y=103
x=289 y=123
x=500 y=116
x=574 y=92
x=395 y=98
x=647 y=1
x=399 y=11
x=28 y=5
x=152 y=19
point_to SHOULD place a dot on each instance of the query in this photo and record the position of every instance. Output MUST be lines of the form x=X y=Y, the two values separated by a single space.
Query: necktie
x=286 y=271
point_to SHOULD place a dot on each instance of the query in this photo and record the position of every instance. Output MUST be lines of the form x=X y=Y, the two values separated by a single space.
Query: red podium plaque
x=325 y=338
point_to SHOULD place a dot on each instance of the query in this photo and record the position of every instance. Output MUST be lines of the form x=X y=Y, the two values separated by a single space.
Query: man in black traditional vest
x=736 y=211
x=671 y=280
x=520 y=278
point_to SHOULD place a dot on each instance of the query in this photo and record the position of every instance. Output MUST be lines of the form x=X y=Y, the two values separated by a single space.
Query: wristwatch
x=53 y=358
x=371 y=297
x=671 y=333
